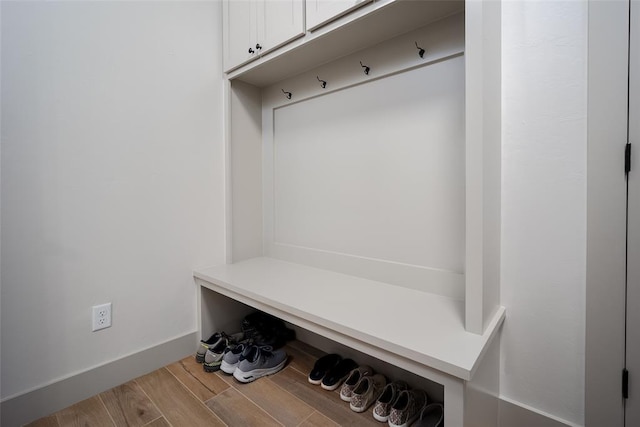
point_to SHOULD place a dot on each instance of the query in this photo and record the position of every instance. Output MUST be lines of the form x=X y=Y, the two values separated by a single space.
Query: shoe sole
x=345 y=398
x=199 y=358
x=408 y=423
x=360 y=409
x=379 y=418
x=211 y=368
x=333 y=386
x=228 y=368
x=315 y=382
x=247 y=377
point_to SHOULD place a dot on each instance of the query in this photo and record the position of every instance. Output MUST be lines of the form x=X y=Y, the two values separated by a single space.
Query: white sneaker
x=390 y=393
x=352 y=380
x=366 y=392
x=407 y=408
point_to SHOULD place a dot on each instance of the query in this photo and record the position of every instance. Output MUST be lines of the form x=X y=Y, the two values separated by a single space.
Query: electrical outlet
x=101 y=317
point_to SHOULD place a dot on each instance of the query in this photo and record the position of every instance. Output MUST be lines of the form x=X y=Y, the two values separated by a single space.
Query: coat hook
x=287 y=94
x=420 y=51
x=322 y=82
x=366 y=69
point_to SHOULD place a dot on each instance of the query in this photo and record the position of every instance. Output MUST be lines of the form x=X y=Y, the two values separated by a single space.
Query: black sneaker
x=322 y=366
x=264 y=329
x=334 y=378
x=431 y=416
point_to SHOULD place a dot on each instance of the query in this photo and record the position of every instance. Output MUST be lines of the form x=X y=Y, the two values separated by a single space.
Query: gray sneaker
x=259 y=362
x=214 y=353
x=366 y=392
x=212 y=360
x=204 y=346
x=407 y=408
x=232 y=356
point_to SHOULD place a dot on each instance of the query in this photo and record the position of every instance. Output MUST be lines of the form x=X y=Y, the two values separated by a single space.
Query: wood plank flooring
x=182 y=394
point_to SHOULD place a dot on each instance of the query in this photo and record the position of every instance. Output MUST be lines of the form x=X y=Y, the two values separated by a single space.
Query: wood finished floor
x=182 y=394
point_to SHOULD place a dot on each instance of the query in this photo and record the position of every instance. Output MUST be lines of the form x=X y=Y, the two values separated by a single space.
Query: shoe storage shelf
x=363 y=191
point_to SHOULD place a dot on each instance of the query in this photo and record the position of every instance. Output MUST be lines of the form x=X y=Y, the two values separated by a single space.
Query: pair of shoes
x=215 y=341
x=322 y=366
x=214 y=353
x=431 y=416
x=352 y=380
x=330 y=371
x=204 y=346
x=259 y=362
x=407 y=407
x=367 y=391
x=382 y=408
x=264 y=329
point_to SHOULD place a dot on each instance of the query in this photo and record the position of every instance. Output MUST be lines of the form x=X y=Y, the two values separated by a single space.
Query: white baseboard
x=32 y=405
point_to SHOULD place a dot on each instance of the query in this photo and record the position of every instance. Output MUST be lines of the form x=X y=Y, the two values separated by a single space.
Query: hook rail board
x=389 y=18
x=441 y=40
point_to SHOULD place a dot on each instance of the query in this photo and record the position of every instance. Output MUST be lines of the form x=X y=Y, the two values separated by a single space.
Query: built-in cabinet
x=319 y=12
x=255 y=27
x=363 y=186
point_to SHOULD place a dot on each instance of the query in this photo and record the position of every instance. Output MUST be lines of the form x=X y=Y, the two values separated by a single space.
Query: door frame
x=608 y=34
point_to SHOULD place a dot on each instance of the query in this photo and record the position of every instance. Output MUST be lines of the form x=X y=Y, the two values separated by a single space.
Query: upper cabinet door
x=239 y=24
x=253 y=27
x=319 y=12
x=279 y=21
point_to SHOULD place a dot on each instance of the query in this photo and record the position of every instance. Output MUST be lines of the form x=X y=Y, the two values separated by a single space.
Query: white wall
x=111 y=138
x=112 y=180
x=544 y=206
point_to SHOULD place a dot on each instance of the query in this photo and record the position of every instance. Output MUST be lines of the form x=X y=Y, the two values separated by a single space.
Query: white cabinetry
x=356 y=188
x=254 y=27
x=278 y=22
x=320 y=12
x=239 y=32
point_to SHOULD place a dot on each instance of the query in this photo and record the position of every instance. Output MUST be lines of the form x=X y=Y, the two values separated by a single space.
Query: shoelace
x=262 y=352
x=266 y=352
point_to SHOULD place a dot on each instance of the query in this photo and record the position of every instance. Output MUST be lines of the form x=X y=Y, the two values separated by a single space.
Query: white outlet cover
x=101 y=317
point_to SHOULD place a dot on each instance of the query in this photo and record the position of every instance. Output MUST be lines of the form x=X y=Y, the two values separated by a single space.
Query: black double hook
x=366 y=69
x=258 y=47
x=287 y=94
x=420 y=51
x=322 y=82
